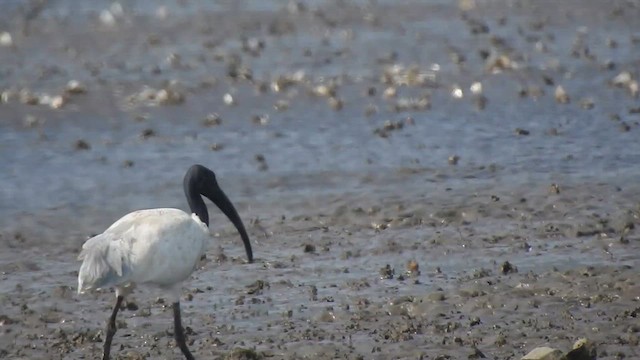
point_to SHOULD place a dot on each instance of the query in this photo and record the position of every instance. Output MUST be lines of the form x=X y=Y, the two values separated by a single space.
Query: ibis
x=158 y=248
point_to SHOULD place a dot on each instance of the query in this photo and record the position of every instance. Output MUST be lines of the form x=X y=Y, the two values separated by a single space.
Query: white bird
x=157 y=247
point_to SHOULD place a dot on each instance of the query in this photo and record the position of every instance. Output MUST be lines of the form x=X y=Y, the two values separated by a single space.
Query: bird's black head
x=200 y=180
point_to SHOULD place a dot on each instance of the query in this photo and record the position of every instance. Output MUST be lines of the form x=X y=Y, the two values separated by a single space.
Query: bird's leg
x=111 y=328
x=179 y=332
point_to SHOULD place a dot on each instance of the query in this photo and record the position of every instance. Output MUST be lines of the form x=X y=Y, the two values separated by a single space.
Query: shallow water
x=364 y=196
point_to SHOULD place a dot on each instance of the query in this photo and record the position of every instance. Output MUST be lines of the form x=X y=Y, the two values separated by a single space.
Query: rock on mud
x=243 y=354
x=544 y=353
x=583 y=349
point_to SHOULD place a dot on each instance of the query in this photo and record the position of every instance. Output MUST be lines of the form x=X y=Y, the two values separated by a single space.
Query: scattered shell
x=236 y=70
x=28 y=98
x=326 y=316
x=634 y=88
x=456 y=57
x=476 y=88
x=324 y=90
x=457 y=92
x=499 y=62
x=174 y=60
x=282 y=82
x=216 y=147
x=228 y=99
x=57 y=102
x=116 y=9
x=370 y=110
x=378 y=226
x=390 y=92
x=541 y=47
x=6 y=96
x=75 y=87
x=626 y=81
x=6 y=39
x=296 y=7
x=554 y=189
x=107 y=18
x=587 y=103
x=553 y=132
x=535 y=91
x=412 y=104
x=413 y=268
x=169 y=96
x=260 y=119
x=336 y=103
x=398 y=74
x=561 y=95
x=281 y=105
x=151 y=96
x=253 y=46
x=622 y=80
x=162 y=12
x=212 y=119
x=31 y=121
x=393 y=125
x=6 y=320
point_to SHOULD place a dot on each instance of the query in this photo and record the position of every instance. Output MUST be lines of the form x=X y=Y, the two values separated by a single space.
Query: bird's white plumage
x=159 y=247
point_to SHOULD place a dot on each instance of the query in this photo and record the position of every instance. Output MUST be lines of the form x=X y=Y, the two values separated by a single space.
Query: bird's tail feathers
x=103 y=265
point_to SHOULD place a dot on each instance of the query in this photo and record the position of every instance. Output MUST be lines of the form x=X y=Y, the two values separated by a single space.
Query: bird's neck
x=197 y=205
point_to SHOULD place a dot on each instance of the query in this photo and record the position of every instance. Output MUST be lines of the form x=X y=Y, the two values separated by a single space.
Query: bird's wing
x=122 y=230
x=105 y=260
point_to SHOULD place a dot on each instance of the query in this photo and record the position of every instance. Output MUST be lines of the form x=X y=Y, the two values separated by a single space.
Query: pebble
x=82 y=145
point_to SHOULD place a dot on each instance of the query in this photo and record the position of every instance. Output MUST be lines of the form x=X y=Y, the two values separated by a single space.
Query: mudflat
x=428 y=179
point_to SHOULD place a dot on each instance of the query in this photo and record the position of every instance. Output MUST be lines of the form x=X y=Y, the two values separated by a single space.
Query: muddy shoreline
x=425 y=180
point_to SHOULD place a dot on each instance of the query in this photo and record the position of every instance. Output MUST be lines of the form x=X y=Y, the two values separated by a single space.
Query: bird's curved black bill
x=218 y=197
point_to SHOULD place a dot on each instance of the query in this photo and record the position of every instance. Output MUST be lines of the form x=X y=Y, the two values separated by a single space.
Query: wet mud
x=420 y=180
